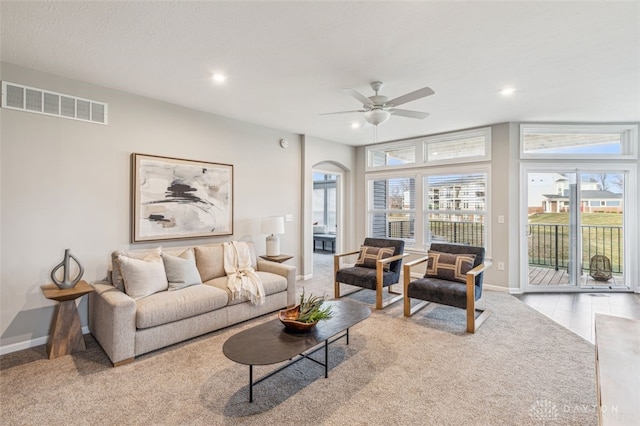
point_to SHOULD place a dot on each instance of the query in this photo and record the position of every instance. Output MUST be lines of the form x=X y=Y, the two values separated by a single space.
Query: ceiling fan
x=378 y=109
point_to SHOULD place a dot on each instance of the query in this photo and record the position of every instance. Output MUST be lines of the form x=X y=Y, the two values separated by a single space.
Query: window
x=578 y=142
x=471 y=145
x=392 y=208
x=455 y=208
x=426 y=172
x=391 y=155
x=324 y=200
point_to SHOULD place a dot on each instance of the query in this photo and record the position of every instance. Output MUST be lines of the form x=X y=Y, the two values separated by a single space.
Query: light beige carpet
x=520 y=368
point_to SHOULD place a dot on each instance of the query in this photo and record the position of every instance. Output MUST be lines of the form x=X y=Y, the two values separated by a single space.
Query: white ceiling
x=288 y=61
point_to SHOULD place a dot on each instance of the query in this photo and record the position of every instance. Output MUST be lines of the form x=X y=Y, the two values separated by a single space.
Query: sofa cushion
x=143 y=277
x=369 y=255
x=209 y=262
x=116 y=274
x=272 y=284
x=447 y=266
x=181 y=270
x=168 y=306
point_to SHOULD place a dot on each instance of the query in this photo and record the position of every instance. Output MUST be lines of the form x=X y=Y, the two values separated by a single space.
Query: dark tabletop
x=270 y=343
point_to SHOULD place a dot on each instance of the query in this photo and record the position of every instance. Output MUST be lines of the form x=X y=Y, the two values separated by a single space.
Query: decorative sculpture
x=66 y=282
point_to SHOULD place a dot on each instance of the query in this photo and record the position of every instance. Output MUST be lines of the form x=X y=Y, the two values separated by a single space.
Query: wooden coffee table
x=271 y=343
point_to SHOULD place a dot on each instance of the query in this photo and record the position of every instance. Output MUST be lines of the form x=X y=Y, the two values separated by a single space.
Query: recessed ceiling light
x=355 y=125
x=219 y=78
x=507 y=91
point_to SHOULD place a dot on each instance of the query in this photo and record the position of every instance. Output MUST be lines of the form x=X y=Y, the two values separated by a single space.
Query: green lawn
x=607 y=240
x=604 y=219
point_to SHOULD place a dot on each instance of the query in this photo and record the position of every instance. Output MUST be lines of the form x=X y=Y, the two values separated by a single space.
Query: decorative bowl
x=288 y=318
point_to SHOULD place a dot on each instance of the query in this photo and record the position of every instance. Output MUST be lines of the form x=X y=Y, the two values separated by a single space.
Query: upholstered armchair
x=378 y=265
x=453 y=277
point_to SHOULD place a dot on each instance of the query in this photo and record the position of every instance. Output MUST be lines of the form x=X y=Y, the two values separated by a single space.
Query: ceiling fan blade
x=407 y=113
x=420 y=93
x=359 y=96
x=344 y=112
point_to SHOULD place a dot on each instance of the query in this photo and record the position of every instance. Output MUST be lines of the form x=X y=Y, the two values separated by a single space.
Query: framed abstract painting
x=173 y=198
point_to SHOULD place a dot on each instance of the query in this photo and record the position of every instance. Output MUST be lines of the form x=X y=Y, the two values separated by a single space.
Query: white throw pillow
x=143 y=277
x=181 y=270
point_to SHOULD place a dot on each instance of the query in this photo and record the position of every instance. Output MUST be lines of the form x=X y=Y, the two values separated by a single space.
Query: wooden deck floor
x=550 y=277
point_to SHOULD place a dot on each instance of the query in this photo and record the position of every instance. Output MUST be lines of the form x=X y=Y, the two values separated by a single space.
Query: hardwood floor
x=550 y=277
x=574 y=311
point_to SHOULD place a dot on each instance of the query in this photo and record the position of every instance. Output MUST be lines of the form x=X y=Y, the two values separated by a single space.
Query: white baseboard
x=14 y=347
x=305 y=277
x=495 y=288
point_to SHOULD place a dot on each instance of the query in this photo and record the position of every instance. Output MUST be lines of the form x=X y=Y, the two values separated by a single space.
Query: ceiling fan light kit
x=377 y=116
x=378 y=109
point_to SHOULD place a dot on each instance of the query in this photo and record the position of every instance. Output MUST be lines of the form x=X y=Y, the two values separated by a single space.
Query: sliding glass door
x=574 y=229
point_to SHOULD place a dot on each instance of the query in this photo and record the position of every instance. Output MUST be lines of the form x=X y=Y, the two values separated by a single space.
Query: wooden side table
x=280 y=258
x=66 y=333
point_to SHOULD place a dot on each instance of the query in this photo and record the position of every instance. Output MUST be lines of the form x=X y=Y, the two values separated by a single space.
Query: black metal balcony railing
x=549 y=245
x=454 y=232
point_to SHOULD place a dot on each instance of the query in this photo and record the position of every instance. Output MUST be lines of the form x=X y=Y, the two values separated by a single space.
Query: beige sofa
x=127 y=326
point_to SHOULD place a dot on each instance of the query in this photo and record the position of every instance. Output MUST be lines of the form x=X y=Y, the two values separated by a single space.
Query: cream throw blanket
x=243 y=280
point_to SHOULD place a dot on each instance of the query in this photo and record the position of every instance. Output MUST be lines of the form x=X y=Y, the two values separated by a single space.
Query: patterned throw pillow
x=369 y=255
x=450 y=267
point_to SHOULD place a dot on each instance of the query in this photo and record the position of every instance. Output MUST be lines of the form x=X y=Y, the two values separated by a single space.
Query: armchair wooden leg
x=336 y=284
x=474 y=323
x=410 y=311
x=405 y=288
x=407 y=300
x=379 y=287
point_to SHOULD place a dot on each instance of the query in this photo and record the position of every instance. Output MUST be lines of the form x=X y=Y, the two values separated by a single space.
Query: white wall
x=66 y=184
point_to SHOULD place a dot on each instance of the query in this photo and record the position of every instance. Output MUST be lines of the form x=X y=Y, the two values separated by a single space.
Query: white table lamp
x=272 y=226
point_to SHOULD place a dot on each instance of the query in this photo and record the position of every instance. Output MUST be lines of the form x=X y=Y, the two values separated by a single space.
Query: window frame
x=484 y=132
x=418 y=243
x=628 y=140
x=371 y=210
x=450 y=170
x=394 y=145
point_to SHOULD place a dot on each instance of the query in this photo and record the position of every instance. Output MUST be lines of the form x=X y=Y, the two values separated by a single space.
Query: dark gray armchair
x=374 y=273
x=442 y=285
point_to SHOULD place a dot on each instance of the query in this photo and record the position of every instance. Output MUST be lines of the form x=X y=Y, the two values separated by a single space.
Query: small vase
x=66 y=283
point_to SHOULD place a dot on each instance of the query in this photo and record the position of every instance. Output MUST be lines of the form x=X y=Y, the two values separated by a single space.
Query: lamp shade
x=272 y=225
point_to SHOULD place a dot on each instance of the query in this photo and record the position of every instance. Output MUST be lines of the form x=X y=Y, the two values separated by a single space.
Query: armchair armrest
x=472 y=323
x=380 y=265
x=407 y=270
x=471 y=279
x=480 y=268
x=112 y=321
x=349 y=253
x=336 y=258
x=391 y=259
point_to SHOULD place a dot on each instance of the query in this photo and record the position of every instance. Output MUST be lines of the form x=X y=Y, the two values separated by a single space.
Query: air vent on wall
x=24 y=98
